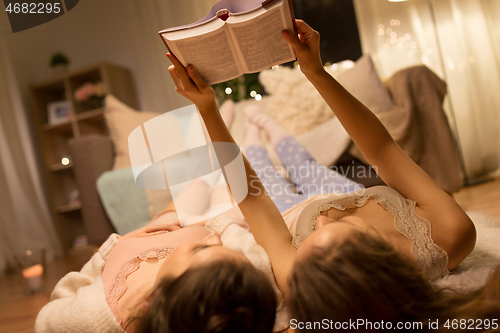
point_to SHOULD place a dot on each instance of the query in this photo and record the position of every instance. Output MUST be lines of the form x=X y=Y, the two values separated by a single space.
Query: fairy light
x=65 y=160
x=258 y=97
x=347 y=64
x=253 y=93
x=228 y=90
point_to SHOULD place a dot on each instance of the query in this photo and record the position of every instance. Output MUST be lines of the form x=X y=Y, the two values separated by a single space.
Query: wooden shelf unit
x=85 y=118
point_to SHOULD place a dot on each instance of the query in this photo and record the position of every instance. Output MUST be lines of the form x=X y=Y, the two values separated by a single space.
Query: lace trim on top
x=432 y=260
x=119 y=286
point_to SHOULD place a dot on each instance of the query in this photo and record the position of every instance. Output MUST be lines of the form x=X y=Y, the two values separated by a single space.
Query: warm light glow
x=65 y=161
x=228 y=90
x=36 y=270
x=347 y=64
x=33 y=277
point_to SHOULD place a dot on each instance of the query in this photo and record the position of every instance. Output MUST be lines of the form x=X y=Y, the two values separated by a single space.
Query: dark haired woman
x=163 y=278
x=413 y=218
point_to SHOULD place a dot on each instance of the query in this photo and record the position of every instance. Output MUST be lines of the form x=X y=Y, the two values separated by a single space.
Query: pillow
x=298 y=107
x=293 y=100
x=125 y=203
x=121 y=121
x=326 y=142
x=363 y=82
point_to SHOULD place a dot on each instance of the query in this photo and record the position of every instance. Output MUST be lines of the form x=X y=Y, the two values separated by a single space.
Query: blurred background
x=459 y=40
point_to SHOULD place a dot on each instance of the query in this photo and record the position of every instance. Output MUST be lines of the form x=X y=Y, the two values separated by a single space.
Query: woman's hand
x=306 y=46
x=190 y=84
x=151 y=230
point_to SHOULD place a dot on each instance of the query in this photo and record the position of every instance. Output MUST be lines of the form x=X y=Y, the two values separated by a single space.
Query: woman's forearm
x=257 y=204
x=265 y=220
x=365 y=129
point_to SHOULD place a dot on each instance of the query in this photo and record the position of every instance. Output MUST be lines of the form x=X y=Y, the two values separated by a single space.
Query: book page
x=212 y=54
x=259 y=42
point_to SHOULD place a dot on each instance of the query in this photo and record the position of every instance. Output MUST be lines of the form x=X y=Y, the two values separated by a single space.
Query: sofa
x=415 y=119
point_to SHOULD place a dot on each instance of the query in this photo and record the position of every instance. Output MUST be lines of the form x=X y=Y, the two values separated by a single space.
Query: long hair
x=366 y=278
x=220 y=297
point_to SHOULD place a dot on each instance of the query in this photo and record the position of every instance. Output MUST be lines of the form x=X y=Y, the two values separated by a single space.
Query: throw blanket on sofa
x=420 y=126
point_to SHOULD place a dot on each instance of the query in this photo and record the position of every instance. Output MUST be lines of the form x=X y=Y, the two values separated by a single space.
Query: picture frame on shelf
x=58 y=112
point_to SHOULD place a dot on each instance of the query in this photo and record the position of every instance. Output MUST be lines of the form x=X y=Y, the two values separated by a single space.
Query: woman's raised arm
x=265 y=220
x=452 y=228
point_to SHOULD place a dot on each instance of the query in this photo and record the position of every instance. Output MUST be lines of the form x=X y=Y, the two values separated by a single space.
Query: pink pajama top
x=131 y=268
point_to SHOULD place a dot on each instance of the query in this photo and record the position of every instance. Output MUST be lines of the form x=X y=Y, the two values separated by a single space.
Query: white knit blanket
x=473 y=272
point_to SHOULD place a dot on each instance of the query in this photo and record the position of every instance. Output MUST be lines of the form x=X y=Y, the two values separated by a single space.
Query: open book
x=234 y=38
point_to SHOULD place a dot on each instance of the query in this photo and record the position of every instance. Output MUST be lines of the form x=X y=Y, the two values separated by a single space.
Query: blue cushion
x=125 y=203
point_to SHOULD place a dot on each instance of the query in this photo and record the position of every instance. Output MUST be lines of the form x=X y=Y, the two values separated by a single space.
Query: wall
x=123 y=32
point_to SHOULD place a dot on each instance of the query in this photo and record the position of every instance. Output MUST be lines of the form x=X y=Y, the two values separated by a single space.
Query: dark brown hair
x=366 y=278
x=221 y=297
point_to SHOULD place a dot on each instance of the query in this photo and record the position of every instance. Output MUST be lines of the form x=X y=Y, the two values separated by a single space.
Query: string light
x=228 y=90
x=65 y=160
x=258 y=97
x=253 y=93
x=347 y=64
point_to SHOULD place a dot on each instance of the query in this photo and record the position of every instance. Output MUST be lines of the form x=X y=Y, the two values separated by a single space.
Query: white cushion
x=298 y=107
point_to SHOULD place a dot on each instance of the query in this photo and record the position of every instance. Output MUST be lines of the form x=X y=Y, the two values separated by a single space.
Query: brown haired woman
x=358 y=256
x=163 y=278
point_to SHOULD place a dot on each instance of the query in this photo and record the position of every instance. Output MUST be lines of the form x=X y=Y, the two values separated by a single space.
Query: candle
x=33 y=276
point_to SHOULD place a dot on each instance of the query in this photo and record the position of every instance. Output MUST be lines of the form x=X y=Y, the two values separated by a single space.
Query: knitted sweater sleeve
x=78 y=302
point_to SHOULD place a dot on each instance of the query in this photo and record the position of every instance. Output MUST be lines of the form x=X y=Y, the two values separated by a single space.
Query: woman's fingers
x=307 y=37
x=191 y=85
x=302 y=27
x=197 y=79
x=175 y=76
x=293 y=40
x=183 y=76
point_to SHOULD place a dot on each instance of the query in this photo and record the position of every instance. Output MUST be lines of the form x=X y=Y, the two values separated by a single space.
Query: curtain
x=460 y=41
x=25 y=221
